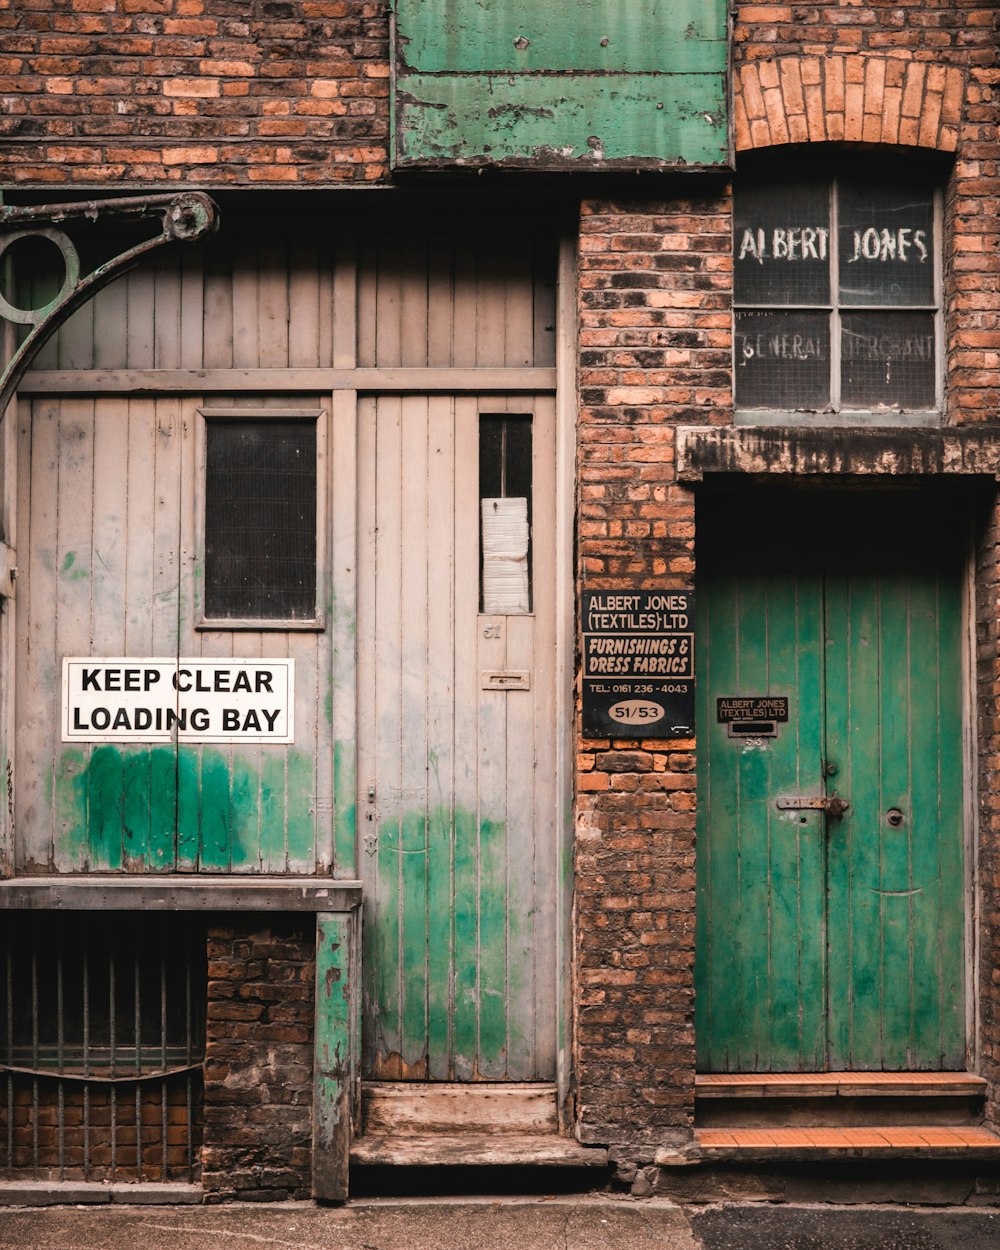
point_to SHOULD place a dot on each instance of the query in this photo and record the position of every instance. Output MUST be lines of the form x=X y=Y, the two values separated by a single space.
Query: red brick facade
x=160 y=92
x=655 y=345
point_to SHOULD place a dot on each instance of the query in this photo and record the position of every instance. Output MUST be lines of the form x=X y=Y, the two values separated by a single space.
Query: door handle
x=833 y=805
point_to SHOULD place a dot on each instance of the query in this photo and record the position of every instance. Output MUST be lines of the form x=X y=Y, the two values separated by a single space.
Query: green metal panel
x=832 y=942
x=591 y=84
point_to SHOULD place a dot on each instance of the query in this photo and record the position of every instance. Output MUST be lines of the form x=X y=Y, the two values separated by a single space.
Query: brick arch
x=861 y=99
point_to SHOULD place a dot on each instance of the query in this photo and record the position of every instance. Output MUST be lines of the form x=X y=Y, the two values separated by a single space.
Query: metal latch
x=833 y=806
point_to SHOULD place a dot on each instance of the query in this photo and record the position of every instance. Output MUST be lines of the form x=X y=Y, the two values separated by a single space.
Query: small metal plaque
x=732 y=708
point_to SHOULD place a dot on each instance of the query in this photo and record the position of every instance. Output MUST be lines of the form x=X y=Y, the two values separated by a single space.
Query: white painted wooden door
x=456 y=774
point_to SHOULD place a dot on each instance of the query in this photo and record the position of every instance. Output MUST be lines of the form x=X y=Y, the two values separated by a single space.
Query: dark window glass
x=886 y=245
x=887 y=359
x=834 y=294
x=783 y=359
x=260 y=519
x=781 y=238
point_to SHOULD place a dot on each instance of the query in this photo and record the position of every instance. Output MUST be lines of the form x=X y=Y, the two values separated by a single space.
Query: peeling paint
x=528 y=86
x=155 y=808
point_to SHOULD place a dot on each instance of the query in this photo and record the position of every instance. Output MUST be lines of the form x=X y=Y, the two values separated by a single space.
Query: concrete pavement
x=561 y=1223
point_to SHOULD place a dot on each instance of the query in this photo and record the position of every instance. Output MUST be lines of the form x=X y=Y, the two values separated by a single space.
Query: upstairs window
x=837 y=299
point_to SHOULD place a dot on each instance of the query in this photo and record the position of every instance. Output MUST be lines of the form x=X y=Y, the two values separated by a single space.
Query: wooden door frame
x=345 y=549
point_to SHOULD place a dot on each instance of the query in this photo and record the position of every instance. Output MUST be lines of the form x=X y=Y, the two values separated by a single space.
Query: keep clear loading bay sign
x=638 y=664
x=183 y=700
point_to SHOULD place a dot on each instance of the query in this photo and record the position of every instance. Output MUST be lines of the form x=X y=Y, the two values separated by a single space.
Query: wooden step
x=838 y=1100
x=838 y=1084
x=475 y=1150
x=872 y=1141
x=420 y=1108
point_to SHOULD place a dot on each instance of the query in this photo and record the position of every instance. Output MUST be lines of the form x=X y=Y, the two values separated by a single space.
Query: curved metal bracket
x=184 y=217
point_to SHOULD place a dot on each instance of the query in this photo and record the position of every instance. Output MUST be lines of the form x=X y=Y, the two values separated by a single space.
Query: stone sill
x=62 y=1193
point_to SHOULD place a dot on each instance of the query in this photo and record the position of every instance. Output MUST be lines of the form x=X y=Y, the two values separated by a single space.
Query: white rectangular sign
x=125 y=699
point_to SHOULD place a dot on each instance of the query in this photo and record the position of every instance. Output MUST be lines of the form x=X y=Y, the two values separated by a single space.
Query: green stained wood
x=440 y=941
x=335 y=1049
x=466 y=973
x=157 y=808
x=274 y=836
x=493 y=962
x=214 y=807
x=345 y=836
x=188 y=811
x=101 y=792
x=547 y=86
x=414 y=925
x=162 y=777
x=136 y=800
x=827 y=942
x=296 y=796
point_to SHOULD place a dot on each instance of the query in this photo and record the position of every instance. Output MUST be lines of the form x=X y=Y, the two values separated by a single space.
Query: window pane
x=886 y=239
x=505 y=513
x=888 y=359
x=782 y=360
x=260 y=519
x=781 y=244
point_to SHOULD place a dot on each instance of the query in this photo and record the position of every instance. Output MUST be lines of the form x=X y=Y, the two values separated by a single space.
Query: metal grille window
x=101 y=1046
x=261 y=518
x=837 y=299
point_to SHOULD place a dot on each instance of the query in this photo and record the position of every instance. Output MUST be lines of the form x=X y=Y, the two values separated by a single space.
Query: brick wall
x=205 y=92
x=258 y=1059
x=655 y=342
x=921 y=75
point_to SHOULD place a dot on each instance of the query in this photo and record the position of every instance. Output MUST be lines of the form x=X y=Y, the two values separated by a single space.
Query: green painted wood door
x=831 y=941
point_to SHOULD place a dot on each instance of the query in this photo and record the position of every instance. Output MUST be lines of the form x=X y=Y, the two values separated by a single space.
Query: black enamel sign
x=754 y=707
x=638 y=663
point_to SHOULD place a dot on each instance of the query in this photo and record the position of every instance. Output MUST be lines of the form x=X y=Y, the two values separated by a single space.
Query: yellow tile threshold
x=833 y=1084
x=885 y=1141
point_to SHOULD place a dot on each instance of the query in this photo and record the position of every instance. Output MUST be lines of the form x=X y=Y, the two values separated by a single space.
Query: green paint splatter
x=161 y=808
x=345 y=812
x=70 y=570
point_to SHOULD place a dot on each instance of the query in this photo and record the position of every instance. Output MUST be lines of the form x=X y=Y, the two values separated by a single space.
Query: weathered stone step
x=411 y=1107
x=837 y=1084
x=838 y=1099
x=475 y=1150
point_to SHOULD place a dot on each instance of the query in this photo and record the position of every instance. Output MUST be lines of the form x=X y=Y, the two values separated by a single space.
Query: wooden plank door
x=455 y=771
x=832 y=940
x=109 y=499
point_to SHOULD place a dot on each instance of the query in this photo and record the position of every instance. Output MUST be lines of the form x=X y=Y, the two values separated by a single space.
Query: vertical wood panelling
x=442 y=717
x=870 y=657
x=459 y=856
x=439 y=297
x=111 y=495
